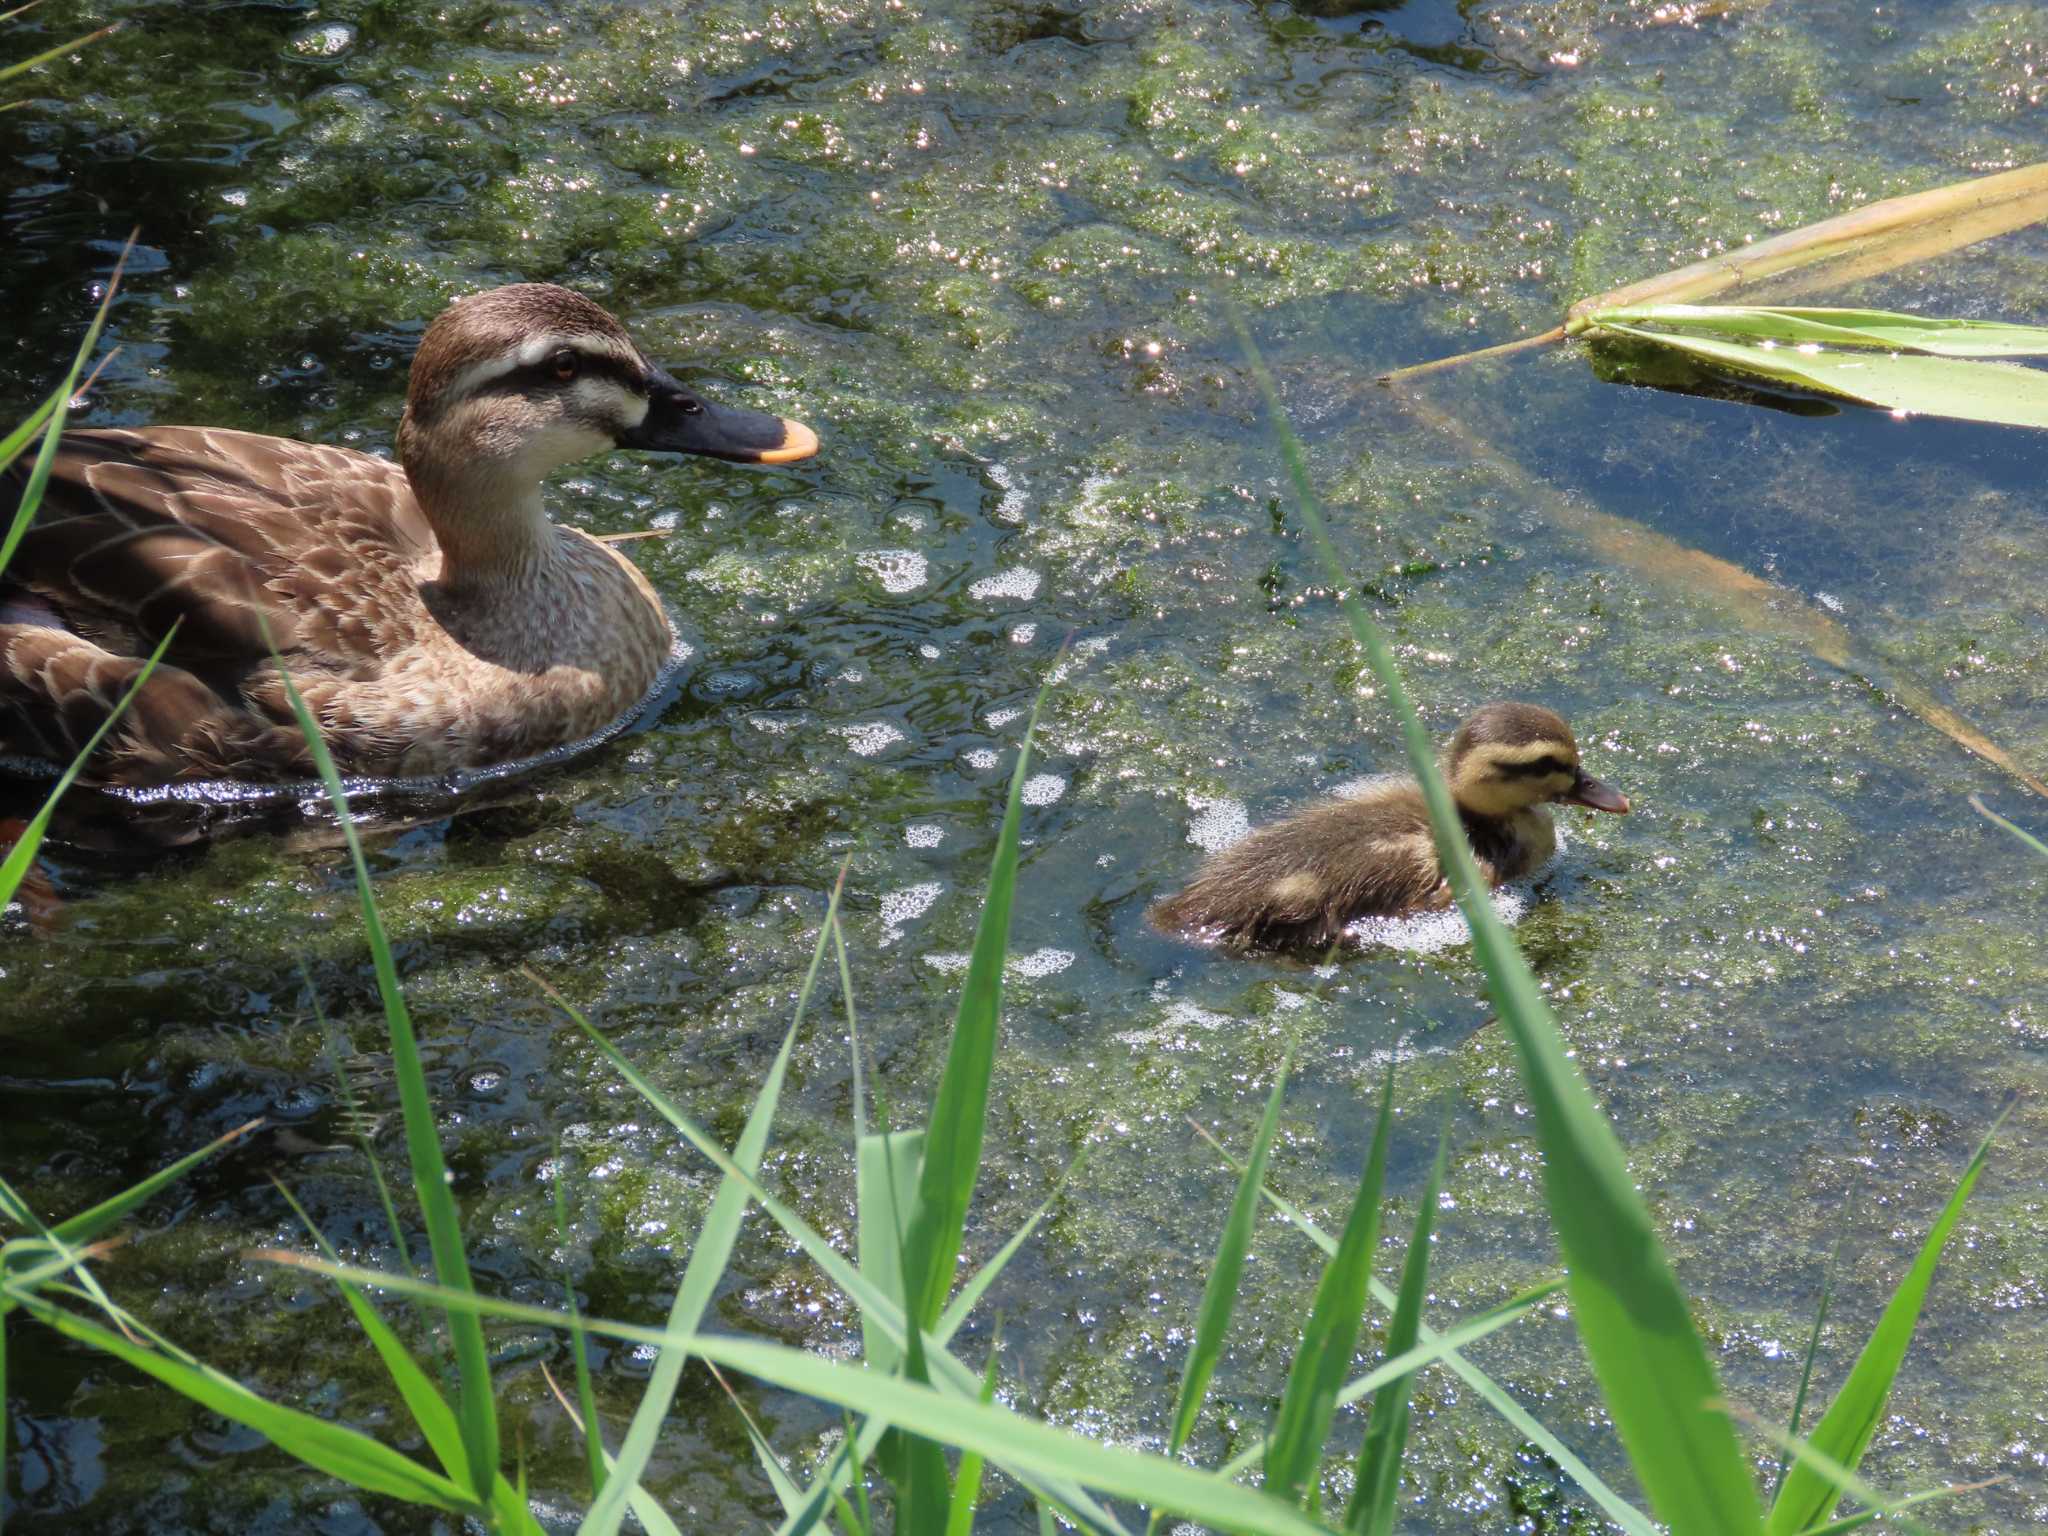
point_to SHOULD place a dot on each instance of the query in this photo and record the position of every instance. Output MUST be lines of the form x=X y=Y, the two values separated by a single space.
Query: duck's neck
x=493 y=529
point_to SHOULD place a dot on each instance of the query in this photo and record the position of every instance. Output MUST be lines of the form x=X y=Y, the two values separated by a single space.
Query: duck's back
x=245 y=543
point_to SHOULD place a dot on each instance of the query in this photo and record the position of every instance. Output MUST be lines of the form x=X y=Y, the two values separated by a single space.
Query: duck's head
x=1509 y=757
x=517 y=381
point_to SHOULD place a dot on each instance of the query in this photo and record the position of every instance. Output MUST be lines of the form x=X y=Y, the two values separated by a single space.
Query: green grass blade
x=343 y=1453
x=967 y=1487
x=709 y=1256
x=787 y=1494
x=477 y=1406
x=423 y=1400
x=1434 y=1348
x=1038 y=1454
x=1820 y=1318
x=1806 y=1455
x=1386 y=1435
x=358 y=1118
x=1999 y=393
x=89 y=1224
x=1794 y=326
x=48 y=55
x=586 y=1394
x=1492 y=1393
x=2021 y=833
x=885 y=1187
x=1219 y=1296
x=60 y=408
x=1309 y=1401
x=952 y=1161
x=22 y=856
x=1844 y=1431
x=963 y=1304
x=14 y=442
x=1632 y=1317
x=1863 y=1517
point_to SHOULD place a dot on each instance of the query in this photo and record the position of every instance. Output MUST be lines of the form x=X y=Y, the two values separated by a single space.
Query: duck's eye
x=688 y=406
x=565 y=364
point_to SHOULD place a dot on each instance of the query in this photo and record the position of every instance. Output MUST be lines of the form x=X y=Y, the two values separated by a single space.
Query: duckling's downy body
x=431 y=614
x=1300 y=882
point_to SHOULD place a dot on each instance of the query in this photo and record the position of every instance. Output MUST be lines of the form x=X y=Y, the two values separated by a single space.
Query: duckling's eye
x=566 y=364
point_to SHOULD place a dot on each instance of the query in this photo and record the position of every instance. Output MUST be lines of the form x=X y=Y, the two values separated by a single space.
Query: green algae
x=1801 y=976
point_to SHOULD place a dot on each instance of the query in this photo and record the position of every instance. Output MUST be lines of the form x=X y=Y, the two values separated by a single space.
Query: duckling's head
x=517 y=381
x=1509 y=757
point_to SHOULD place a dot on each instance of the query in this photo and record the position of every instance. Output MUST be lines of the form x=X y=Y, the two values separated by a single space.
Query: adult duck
x=428 y=610
x=1302 y=881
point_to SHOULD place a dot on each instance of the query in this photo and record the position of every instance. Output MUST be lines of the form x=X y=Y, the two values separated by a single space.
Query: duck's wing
x=247 y=542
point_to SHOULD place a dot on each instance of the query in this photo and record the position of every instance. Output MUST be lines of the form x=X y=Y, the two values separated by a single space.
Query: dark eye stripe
x=1541 y=768
x=542 y=375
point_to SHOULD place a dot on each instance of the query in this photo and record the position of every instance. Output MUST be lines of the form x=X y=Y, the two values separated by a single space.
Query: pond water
x=988 y=249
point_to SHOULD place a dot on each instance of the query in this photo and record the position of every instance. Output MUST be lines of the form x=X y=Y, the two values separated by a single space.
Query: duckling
x=428 y=610
x=1300 y=882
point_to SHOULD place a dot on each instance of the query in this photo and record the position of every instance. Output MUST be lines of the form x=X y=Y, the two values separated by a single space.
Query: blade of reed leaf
x=963 y=1303
x=885 y=1188
x=1631 y=1315
x=340 y=1452
x=652 y=1519
x=423 y=1400
x=1038 y=1454
x=1495 y=1396
x=1294 y=1453
x=22 y=856
x=2023 y=835
x=1843 y=1434
x=477 y=1408
x=8 y=72
x=14 y=442
x=90 y=1223
x=786 y=1491
x=952 y=1161
x=967 y=1487
x=1820 y=1318
x=1435 y=1348
x=951 y=1375
x=594 y=1457
x=1907 y=382
x=1386 y=1435
x=709 y=1256
x=1805 y=1454
x=1865 y=242
x=60 y=408
x=358 y=1119
x=1219 y=1295
x=1863 y=1517
x=1793 y=326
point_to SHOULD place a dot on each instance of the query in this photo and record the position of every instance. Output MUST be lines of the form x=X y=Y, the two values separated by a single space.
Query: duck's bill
x=679 y=420
x=1595 y=796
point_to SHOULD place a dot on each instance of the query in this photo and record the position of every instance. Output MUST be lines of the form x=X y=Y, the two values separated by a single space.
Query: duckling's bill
x=1594 y=795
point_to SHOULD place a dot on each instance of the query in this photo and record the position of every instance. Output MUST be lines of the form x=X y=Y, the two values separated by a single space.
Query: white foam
x=1020 y=582
x=1023 y=634
x=980 y=757
x=1425 y=933
x=898 y=570
x=1011 y=508
x=1218 y=823
x=909 y=904
x=1171 y=1033
x=1043 y=789
x=946 y=963
x=1040 y=963
x=924 y=834
x=996 y=719
x=869 y=737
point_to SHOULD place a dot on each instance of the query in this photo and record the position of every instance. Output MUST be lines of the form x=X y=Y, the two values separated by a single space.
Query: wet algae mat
x=985 y=248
